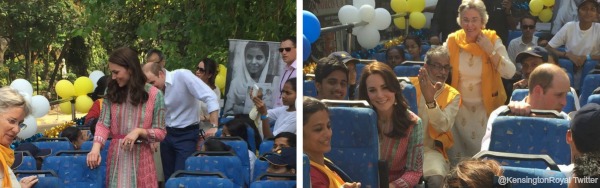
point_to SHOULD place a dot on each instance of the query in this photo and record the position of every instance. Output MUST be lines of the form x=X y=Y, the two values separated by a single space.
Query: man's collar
x=292 y=65
x=168 y=77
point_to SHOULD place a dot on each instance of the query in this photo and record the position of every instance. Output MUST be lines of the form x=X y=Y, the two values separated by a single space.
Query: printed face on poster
x=252 y=63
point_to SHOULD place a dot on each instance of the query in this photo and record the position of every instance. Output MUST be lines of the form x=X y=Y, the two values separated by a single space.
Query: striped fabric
x=404 y=156
x=132 y=168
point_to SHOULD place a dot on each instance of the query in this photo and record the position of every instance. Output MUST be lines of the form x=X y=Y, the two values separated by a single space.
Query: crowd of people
x=463 y=85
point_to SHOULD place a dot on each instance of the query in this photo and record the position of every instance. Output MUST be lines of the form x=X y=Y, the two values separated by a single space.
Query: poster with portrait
x=250 y=63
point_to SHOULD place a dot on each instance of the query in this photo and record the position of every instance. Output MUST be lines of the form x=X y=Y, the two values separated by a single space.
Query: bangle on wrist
x=263 y=117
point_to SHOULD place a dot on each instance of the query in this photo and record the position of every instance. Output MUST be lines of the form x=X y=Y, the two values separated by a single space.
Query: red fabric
x=94 y=111
x=318 y=179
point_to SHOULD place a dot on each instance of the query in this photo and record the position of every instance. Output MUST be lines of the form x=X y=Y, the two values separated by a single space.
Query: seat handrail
x=293 y=177
x=197 y=173
x=50 y=172
x=46 y=139
x=215 y=153
x=553 y=113
x=519 y=156
x=71 y=152
x=362 y=103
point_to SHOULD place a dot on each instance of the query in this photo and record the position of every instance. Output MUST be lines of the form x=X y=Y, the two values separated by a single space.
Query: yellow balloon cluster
x=542 y=9
x=394 y=42
x=413 y=8
x=65 y=107
x=83 y=86
x=221 y=79
x=55 y=131
x=66 y=90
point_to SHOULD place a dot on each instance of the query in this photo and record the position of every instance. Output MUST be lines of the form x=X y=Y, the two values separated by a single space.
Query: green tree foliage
x=190 y=29
x=84 y=32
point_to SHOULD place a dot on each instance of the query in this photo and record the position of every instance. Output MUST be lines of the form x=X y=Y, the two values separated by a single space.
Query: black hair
x=72 y=133
x=387 y=53
x=290 y=38
x=100 y=88
x=413 y=37
x=237 y=127
x=211 y=67
x=216 y=145
x=292 y=81
x=528 y=17
x=310 y=106
x=290 y=136
x=327 y=65
x=134 y=89
x=587 y=166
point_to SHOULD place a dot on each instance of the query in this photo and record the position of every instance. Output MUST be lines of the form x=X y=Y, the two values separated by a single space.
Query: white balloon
x=383 y=19
x=40 y=106
x=367 y=13
x=31 y=128
x=95 y=76
x=348 y=14
x=368 y=37
x=356 y=30
x=22 y=85
x=359 y=3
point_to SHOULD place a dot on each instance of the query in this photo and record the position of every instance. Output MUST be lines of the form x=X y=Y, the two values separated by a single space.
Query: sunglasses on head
x=527 y=26
x=286 y=49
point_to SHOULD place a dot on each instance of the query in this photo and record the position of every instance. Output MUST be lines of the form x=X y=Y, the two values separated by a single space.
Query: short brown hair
x=474 y=173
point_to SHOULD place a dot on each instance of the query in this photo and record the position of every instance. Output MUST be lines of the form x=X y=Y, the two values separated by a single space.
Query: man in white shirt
x=181 y=90
x=525 y=41
x=548 y=88
x=287 y=49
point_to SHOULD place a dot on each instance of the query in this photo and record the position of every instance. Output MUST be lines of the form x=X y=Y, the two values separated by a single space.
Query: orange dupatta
x=492 y=88
x=7 y=158
x=335 y=181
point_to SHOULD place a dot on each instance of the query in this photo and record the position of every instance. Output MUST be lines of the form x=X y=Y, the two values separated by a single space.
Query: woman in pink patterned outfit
x=400 y=130
x=132 y=111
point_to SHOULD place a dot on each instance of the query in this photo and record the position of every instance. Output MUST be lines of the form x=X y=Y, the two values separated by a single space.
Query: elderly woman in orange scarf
x=13 y=110
x=480 y=60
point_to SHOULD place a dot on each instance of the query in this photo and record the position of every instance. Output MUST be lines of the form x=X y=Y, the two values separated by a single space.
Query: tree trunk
x=57 y=61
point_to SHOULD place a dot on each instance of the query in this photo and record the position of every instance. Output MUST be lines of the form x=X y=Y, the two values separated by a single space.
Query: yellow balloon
x=534 y=13
x=220 y=81
x=83 y=103
x=399 y=6
x=545 y=15
x=548 y=2
x=83 y=86
x=400 y=23
x=536 y=5
x=65 y=89
x=416 y=5
x=65 y=107
x=417 y=20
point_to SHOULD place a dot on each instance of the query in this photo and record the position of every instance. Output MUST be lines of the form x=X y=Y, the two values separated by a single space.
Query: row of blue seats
x=355 y=149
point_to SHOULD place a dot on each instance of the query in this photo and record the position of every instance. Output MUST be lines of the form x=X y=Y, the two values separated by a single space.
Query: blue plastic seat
x=27 y=161
x=306 y=170
x=310 y=90
x=359 y=68
x=241 y=150
x=230 y=166
x=530 y=135
x=591 y=82
x=265 y=147
x=594 y=99
x=46 y=178
x=74 y=172
x=407 y=71
x=410 y=94
x=273 y=184
x=513 y=34
x=198 y=179
x=260 y=167
x=355 y=144
x=54 y=145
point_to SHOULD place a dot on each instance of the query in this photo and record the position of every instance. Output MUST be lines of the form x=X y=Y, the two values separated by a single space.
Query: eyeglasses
x=440 y=67
x=288 y=49
x=201 y=70
x=525 y=27
x=22 y=126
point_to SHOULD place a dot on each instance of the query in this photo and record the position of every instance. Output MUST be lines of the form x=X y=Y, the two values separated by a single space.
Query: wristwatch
x=431 y=105
x=263 y=117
